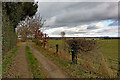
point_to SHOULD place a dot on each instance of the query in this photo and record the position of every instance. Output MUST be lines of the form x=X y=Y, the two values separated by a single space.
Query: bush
x=81 y=45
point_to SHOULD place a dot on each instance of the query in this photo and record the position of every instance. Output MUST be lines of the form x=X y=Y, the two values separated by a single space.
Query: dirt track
x=49 y=68
x=19 y=67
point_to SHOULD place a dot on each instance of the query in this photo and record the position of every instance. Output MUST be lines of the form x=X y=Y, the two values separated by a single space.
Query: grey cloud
x=103 y=31
x=91 y=27
x=57 y=32
x=72 y=13
x=74 y=32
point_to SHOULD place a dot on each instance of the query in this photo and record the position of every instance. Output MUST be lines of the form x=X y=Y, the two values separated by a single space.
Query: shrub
x=80 y=45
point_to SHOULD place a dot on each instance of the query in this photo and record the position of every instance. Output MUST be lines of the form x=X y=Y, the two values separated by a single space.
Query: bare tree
x=23 y=29
x=63 y=38
x=36 y=22
x=62 y=34
x=30 y=26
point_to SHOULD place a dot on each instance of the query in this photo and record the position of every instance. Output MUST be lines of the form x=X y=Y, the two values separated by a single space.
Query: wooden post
x=74 y=57
x=74 y=53
x=56 y=48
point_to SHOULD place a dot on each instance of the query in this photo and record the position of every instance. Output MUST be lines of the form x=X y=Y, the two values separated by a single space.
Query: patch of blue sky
x=107 y=22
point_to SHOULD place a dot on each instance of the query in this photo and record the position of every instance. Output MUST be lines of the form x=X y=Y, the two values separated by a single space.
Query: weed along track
x=49 y=68
x=8 y=59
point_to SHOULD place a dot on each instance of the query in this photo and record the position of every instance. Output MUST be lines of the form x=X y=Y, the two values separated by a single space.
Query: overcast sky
x=80 y=19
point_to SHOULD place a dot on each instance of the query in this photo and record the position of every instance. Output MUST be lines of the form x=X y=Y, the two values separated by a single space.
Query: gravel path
x=49 y=68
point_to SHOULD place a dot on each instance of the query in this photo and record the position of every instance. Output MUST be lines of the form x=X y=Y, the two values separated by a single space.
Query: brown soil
x=49 y=68
x=19 y=67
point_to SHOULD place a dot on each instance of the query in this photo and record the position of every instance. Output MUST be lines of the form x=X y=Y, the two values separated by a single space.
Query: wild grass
x=9 y=59
x=34 y=64
x=72 y=70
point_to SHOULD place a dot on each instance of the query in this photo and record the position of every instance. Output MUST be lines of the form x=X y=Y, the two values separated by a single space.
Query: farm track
x=49 y=68
x=19 y=67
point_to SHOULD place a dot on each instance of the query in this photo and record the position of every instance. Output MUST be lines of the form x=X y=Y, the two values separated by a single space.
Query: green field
x=54 y=42
x=109 y=48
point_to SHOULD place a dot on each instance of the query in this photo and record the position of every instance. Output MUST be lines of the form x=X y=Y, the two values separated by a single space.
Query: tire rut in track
x=18 y=68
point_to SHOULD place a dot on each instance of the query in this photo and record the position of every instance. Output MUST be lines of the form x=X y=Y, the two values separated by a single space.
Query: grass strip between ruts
x=34 y=64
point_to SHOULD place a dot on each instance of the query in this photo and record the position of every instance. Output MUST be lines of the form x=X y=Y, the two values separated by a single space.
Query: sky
x=80 y=19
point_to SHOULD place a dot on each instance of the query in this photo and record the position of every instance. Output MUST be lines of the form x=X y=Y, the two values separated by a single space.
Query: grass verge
x=9 y=58
x=71 y=70
x=34 y=64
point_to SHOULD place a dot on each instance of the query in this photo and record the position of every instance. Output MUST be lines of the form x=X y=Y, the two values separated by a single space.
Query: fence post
x=74 y=57
x=56 y=48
